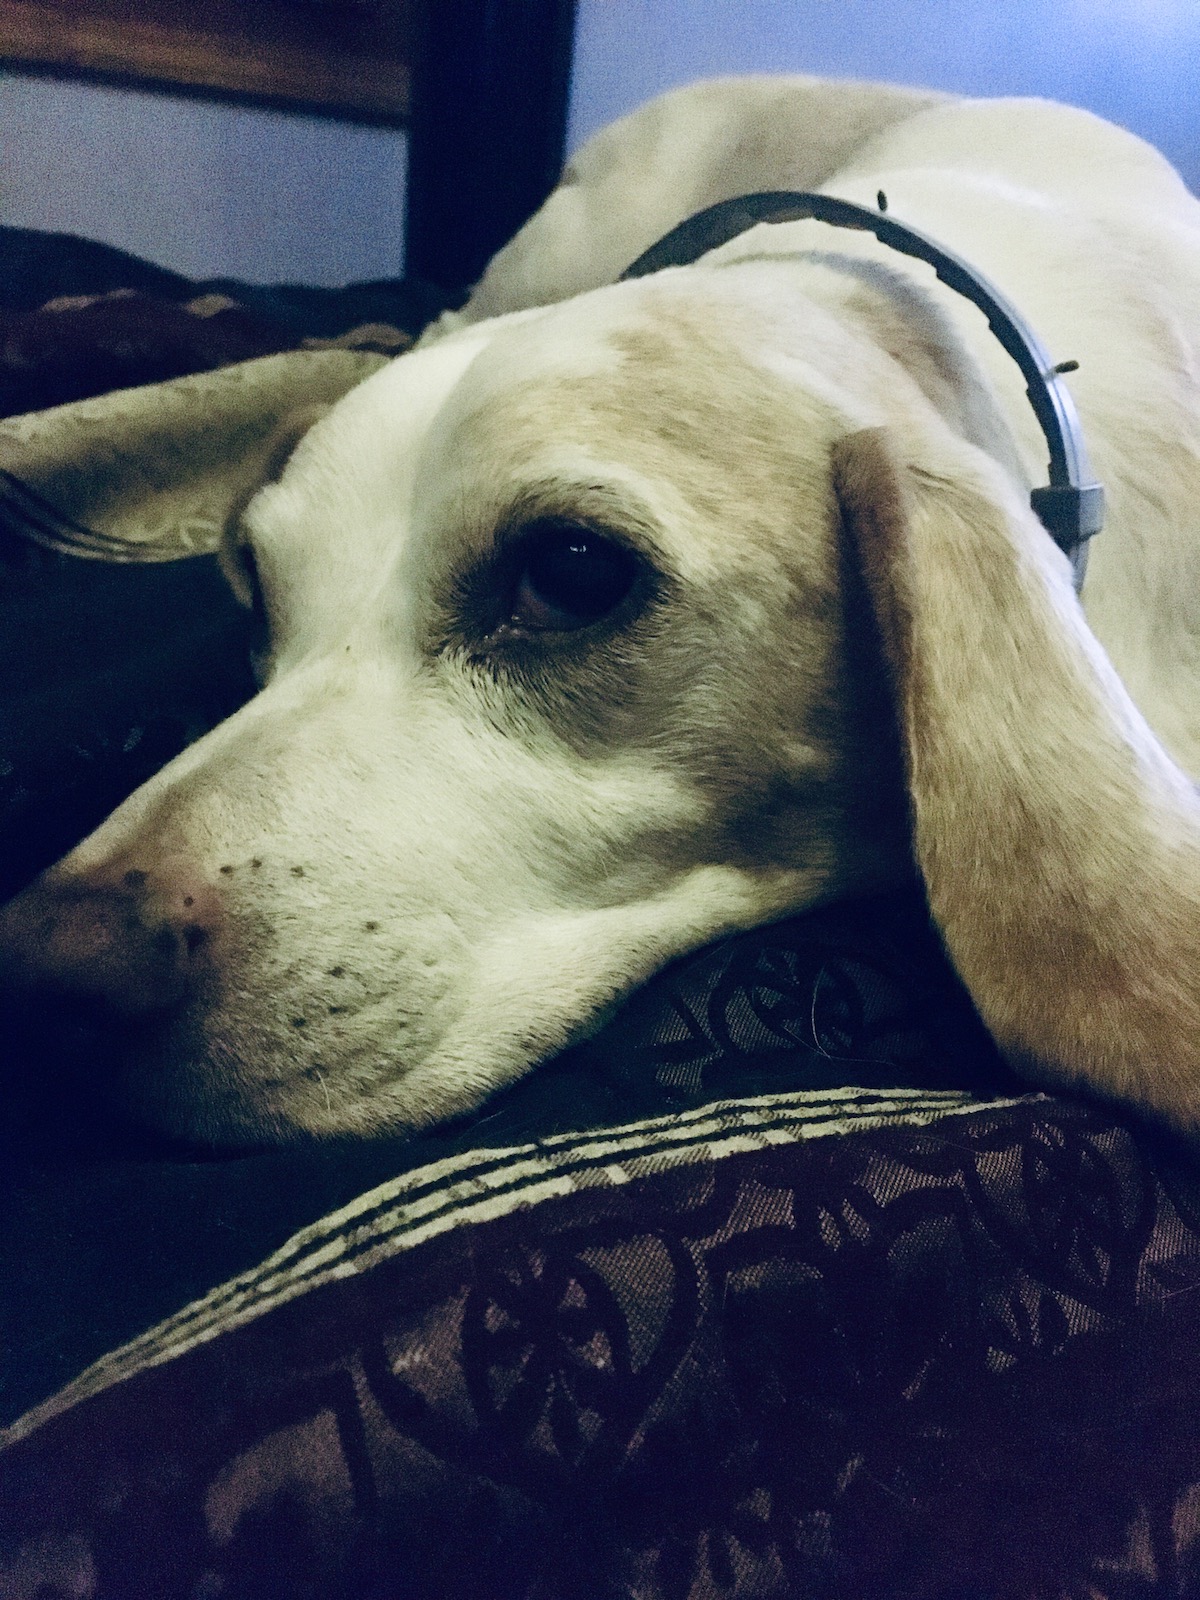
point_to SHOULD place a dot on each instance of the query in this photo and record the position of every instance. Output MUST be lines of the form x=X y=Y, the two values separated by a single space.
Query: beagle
x=619 y=615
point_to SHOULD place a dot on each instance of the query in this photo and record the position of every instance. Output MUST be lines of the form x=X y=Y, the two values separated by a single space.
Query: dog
x=618 y=616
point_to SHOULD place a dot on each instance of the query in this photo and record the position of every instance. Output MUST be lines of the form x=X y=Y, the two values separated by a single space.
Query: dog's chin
x=77 y=1085
x=210 y=1103
x=206 y=1118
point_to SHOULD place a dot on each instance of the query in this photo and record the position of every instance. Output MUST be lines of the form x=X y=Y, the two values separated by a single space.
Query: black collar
x=1071 y=505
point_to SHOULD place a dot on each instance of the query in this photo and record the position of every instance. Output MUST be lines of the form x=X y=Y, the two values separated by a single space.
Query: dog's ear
x=1059 y=843
x=263 y=467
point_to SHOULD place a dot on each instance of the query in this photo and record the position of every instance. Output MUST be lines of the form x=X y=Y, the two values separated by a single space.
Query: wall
x=210 y=190
x=1134 y=61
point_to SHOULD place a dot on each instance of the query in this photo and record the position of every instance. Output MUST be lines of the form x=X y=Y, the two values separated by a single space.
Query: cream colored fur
x=428 y=870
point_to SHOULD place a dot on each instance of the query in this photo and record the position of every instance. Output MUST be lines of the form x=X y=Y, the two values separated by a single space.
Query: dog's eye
x=568 y=577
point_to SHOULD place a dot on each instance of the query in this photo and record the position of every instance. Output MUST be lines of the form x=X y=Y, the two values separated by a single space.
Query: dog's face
x=572 y=663
x=556 y=687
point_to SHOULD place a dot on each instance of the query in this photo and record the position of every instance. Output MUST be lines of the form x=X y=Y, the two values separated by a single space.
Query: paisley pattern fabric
x=839 y=1344
x=138 y=402
x=854 y=995
x=150 y=474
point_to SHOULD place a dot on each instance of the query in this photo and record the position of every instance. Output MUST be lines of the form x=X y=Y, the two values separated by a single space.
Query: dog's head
x=568 y=668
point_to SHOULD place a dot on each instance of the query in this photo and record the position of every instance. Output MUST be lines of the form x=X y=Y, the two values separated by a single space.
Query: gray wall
x=216 y=190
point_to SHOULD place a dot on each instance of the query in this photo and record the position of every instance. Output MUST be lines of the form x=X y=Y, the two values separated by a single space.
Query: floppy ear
x=1059 y=843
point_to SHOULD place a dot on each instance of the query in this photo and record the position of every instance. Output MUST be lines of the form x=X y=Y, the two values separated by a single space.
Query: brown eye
x=568 y=577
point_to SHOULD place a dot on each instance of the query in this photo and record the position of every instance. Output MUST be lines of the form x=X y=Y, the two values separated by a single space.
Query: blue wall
x=210 y=190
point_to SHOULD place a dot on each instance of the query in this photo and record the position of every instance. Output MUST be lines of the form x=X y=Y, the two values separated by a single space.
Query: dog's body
x=462 y=818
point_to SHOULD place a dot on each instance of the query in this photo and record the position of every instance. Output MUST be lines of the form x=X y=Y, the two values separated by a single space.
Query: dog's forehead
x=671 y=389
x=350 y=481
x=664 y=395
x=367 y=442
x=327 y=534
x=615 y=353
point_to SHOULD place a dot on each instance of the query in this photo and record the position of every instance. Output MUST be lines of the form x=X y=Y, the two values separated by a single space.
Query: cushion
x=843 y=1343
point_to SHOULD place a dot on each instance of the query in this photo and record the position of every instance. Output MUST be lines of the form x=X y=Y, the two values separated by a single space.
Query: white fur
x=485 y=865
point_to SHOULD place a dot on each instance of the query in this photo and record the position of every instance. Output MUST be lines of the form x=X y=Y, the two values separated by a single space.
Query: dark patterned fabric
x=848 y=1344
x=84 y=345
x=79 y=318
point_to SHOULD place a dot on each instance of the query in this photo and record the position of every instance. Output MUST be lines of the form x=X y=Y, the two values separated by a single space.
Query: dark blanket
x=855 y=996
x=79 y=318
x=779 y=1286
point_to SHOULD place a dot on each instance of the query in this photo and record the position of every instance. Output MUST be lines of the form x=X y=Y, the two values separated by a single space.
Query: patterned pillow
x=843 y=1343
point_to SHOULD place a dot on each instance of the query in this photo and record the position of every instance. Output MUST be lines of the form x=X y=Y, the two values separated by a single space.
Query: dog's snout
x=130 y=942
